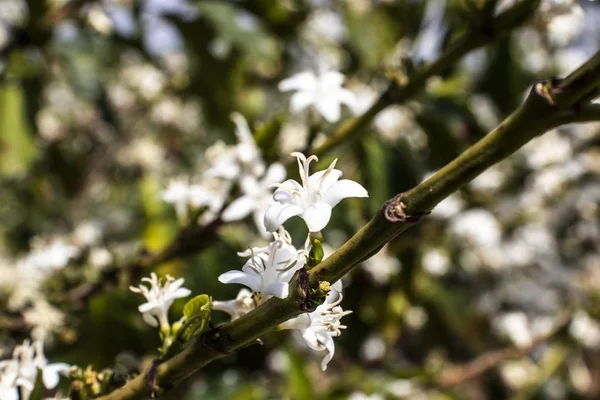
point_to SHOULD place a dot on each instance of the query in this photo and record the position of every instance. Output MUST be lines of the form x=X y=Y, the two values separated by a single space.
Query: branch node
x=304 y=286
x=394 y=210
x=151 y=378
x=210 y=340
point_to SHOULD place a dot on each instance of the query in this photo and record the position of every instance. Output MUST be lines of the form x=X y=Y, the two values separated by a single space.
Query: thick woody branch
x=534 y=117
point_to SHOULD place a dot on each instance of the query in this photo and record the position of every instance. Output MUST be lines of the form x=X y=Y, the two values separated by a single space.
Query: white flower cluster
x=19 y=374
x=160 y=295
x=240 y=164
x=269 y=269
x=23 y=278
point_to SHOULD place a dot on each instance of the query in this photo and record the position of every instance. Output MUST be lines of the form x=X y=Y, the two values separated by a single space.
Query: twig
x=462 y=373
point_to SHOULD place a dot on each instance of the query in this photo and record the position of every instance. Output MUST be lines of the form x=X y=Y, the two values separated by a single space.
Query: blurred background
x=104 y=103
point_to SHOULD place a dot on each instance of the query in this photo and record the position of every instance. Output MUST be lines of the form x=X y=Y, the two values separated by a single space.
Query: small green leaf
x=197 y=316
x=316 y=251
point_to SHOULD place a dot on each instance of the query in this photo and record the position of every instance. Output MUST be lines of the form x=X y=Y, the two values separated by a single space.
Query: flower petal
x=147 y=307
x=302 y=81
x=348 y=98
x=238 y=209
x=310 y=337
x=329 y=107
x=301 y=100
x=251 y=281
x=180 y=293
x=278 y=289
x=317 y=216
x=284 y=193
x=331 y=178
x=342 y=190
x=50 y=374
x=259 y=221
x=300 y=322
x=275 y=174
x=277 y=214
x=150 y=319
x=330 y=346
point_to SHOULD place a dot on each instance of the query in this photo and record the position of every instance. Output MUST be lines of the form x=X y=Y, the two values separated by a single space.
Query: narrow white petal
x=150 y=319
x=310 y=337
x=342 y=190
x=330 y=346
x=146 y=307
x=329 y=180
x=275 y=174
x=317 y=216
x=332 y=79
x=278 y=289
x=259 y=221
x=251 y=281
x=283 y=194
x=50 y=374
x=238 y=209
x=329 y=108
x=301 y=100
x=301 y=322
x=9 y=393
x=277 y=214
x=348 y=98
x=176 y=284
x=180 y=293
x=302 y=81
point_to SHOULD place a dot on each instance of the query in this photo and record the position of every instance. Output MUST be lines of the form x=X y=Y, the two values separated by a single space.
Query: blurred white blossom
x=382 y=266
x=257 y=196
x=323 y=91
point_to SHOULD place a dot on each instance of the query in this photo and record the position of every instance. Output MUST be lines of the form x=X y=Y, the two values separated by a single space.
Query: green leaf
x=17 y=147
x=197 y=316
x=316 y=251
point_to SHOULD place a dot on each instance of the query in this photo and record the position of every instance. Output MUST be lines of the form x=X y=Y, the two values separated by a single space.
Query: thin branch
x=402 y=89
x=534 y=117
x=459 y=374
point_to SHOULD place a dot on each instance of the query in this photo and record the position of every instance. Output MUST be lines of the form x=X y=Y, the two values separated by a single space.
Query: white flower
x=585 y=330
x=10 y=381
x=50 y=372
x=324 y=92
x=231 y=162
x=314 y=199
x=182 y=194
x=257 y=197
x=52 y=256
x=478 y=227
x=22 y=370
x=160 y=296
x=382 y=266
x=242 y=304
x=319 y=327
x=269 y=269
